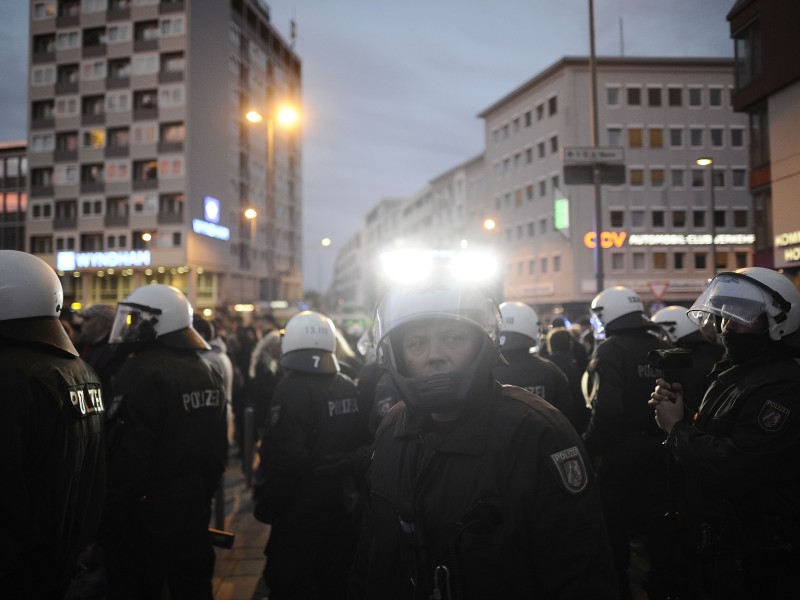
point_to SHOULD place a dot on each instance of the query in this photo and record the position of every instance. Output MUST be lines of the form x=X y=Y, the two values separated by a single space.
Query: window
x=698 y=178
x=617 y=218
x=715 y=97
x=145 y=99
x=528 y=155
x=42 y=142
x=698 y=218
x=67 y=39
x=116 y=33
x=747 y=45
x=170 y=204
x=528 y=118
x=173 y=132
x=170 y=167
x=675 y=96
x=543 y=263
x=93 y=70
x=675 y=137
x=659 y=260
x=741 y=259
x=552 y=106
x=554 y=144
x=653 y=96
x=41 y=211
x=144 y=31
x=677 y=178
x=636 y=177
x=718 y=178
x=634 y=137
x=540 y=150
x=119 y=68
x=657 y=217
x=44 y=10
x=634 y=96
x=695 y=96
x=638 y=260
x=118 y=101
x=556 y=264
x=656 y=137
x=679 y=218
x=716 y=134
x=740 y=218
x=637 y=218
x=657 y=177
x=172 y=26
x=529 y=192
x=92 y=105
x=94 y=37
x=94 y=138
x=516 y=125
x=737 y=137
x=542 y=188
x=738 y=178
x=67 y=140
x=92 y=173
x=91 y=207
x=145 y=64
x=678 y=260
x=43 y=75
x=42 y=109
x=65 y=174
x=42 y=177
x=145 y=170
x=145 y=133
x=612 y=96
x=695 y=137
x=540 y=112
x=117 y=170
x=614 y=136
x=617 y=261
x=118 y=137
x=555 y=182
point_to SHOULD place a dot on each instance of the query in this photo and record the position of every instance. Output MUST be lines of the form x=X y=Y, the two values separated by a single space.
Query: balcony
x=92 y=51
x=41 y=191
x=65 y=222
x=43 y=123
x=145 y=114
x=116 y=83
x=169 y=218
x=114 y=220
x=166 y=147
x=93 y=119
x=66 y=87
x=65 y=155
x=170 y=6
x=170 y=76
x=92 y=187
x=145 y=184
x=118 y=14
x=38 y=58
x=68 y=21
x=145 y=45
x=117 y=151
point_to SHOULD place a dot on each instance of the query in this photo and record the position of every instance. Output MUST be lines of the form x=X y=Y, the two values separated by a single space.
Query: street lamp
x=707 y=161
x=287 y=116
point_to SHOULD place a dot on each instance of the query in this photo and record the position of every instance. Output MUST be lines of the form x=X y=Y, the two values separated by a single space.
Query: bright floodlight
x=406 y=266
x=474 y=266
x=287 y=115
x=325 y=242
x=250 y=213
x=705 y=161
x=489 y=224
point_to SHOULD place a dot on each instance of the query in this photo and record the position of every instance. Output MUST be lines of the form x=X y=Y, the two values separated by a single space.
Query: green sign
x=561 y=213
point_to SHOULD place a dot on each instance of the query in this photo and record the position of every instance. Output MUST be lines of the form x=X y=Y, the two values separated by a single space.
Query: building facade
x=13 y=195
x=768 y=92
x=142 y=165
x=658 y=229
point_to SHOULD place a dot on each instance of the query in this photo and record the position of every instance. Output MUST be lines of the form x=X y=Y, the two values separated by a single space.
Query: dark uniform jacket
x=167 y=451
x=307 y=490
x=52 y=467
x=742 y=454
x=539 y=376
x=622 y=429
x=500 y=504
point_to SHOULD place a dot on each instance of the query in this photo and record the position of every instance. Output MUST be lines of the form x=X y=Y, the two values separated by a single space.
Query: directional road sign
x=582 y=155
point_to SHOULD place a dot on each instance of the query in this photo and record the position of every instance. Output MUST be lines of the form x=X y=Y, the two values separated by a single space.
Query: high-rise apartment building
x=142 y=166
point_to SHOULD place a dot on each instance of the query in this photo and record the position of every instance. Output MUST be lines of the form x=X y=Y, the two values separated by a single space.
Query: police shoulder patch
x=571 y=469
x=773 y=416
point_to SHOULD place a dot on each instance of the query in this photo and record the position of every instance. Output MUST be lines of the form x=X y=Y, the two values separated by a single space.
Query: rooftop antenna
x=293 y=32
x=621 y=38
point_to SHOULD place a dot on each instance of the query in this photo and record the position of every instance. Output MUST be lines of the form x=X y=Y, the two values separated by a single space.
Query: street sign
x=582 y=155
x=658 y=288
x=584 y=174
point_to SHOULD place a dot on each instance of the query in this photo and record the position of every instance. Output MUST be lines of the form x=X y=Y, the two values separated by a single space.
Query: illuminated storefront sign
x=70 y=261
x=615 y=239
x=210 y=229
x=782 y=241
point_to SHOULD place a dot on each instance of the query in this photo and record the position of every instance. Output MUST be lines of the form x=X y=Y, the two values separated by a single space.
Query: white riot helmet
x=677 y=325
x=411 y=305
x=746 y=296
x=156 y=312
x=520 y=327
x=309 y=343
x=31 y=299
x=618 y=308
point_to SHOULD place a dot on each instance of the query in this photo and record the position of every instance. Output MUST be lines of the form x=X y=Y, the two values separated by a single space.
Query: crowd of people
x=469 y=450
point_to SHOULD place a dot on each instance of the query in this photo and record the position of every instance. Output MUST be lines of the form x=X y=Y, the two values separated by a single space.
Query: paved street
x=238 y=570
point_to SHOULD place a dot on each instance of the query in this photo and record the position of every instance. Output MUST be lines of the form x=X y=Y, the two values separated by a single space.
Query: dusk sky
x=392 y=88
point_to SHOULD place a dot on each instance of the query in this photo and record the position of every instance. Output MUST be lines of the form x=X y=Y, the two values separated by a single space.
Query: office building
x=143 y=167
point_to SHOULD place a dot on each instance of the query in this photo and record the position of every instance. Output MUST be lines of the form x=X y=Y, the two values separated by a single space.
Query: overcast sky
x=392 y=88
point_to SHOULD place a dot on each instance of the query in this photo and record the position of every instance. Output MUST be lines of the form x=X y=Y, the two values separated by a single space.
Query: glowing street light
x=489 y=224
x=250 y=213
x=325 y=242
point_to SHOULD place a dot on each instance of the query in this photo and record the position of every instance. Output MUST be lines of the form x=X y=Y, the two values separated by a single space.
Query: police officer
x=310 y=467
x=519 y=338
x=477 y=490
x=683 y=333
x=167 y=451
x=741 y=452
x=621 y=436
x=52 y=455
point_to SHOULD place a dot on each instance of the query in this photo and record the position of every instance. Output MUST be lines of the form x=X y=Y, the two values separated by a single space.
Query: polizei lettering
x=86 y=400
x=201 y=399
x=342 y=406
x=648 y=372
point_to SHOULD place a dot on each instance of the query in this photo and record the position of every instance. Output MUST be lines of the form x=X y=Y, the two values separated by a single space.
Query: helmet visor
x=732 y=297
x=133 y=323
